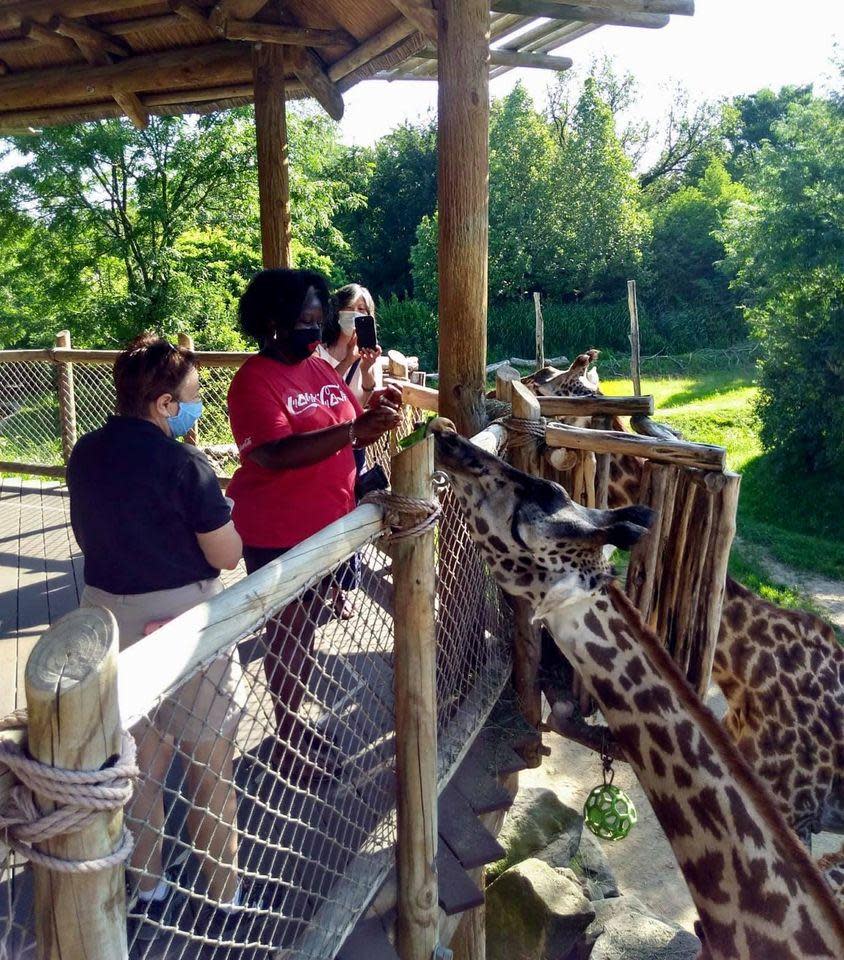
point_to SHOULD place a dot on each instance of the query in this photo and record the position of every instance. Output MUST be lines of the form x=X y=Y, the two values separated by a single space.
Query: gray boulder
x=606 y=910
x=591 y=864
x=534 y=913
x=632 y=936
x=536 y=821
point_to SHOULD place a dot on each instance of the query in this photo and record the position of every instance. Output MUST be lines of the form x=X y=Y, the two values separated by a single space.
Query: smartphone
x=365 y=329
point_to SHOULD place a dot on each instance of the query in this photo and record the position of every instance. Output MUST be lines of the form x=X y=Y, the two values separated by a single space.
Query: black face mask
x=298 y=344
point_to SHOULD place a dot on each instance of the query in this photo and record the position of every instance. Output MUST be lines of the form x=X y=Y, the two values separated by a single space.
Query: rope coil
x=81 y=796
x=420 y=514
x=522 y=432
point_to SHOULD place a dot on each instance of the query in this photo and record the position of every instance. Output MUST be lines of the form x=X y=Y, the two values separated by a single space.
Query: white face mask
x=346 y=319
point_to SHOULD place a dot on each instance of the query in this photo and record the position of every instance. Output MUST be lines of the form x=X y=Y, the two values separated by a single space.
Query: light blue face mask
x=187 y=416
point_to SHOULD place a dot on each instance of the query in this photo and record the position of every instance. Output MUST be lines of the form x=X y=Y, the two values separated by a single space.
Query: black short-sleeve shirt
x=138 y=499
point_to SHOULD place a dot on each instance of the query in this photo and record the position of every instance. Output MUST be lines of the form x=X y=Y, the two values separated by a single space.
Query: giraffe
x=781 y=671
x=756 y=889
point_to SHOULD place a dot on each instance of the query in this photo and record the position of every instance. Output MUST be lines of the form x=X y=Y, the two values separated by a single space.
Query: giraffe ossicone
x=756 y=889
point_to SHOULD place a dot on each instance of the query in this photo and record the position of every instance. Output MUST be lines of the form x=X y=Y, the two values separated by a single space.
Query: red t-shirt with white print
x=269 y=400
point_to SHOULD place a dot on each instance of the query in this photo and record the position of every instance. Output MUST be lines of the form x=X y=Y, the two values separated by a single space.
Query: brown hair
x=149 y=367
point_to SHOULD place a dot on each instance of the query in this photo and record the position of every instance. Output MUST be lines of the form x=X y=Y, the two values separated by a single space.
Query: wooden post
x=602 y=466
x=505 y=377
x=273 y=170
x=527 y=648
x=635 y=356
x=540 y=332
x=67 y=399
x=463 y=111
x=74 y=723
x=414 y=578
x=192 y=436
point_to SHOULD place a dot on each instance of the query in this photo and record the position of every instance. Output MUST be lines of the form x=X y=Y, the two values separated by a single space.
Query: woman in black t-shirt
x=155 y=530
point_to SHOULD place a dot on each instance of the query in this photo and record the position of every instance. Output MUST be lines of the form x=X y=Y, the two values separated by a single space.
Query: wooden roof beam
x=216 y=63
x=307 y=66
x=85 y=36
x=38 y=32
x=290 y=36
x=514 y=58
x=188 y=10
x=681 y=8
x=421 y=13
x=131 y=105
x=610 y=13
x=12 y=15
x=397 y=31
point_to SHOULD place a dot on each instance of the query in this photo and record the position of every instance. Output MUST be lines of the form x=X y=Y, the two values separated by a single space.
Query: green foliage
x=399 y=178
x=686 y=253
x=756 y=118
x=787 y=249
x=565 y=217
x=409 y=326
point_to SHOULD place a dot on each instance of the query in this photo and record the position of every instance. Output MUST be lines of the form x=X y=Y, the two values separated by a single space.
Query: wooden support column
x=463 y=108
x=273 y=170
x=74 y=723
x=67 y=399
x=414 y=578
x=527 y=648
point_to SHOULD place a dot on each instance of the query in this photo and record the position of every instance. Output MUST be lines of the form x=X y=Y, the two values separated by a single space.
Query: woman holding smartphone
x=296 y=425
x=358 y=365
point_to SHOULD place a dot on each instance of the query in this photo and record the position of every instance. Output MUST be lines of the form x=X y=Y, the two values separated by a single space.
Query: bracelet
x=353 y=440
x=367 y=389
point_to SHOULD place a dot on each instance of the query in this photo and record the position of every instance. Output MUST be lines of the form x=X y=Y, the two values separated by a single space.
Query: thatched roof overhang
x=67 y=61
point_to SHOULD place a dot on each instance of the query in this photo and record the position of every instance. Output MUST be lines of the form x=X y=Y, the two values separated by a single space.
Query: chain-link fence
x=264 y=816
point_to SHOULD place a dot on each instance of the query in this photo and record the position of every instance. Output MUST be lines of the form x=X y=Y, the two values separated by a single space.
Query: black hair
x=343 y=299
x=273 y=301
x=148 y=368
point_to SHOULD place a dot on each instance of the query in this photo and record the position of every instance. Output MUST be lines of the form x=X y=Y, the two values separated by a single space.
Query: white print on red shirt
x=331 y=395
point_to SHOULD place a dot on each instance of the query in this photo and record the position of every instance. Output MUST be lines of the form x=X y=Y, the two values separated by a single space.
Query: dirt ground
x=643 y=863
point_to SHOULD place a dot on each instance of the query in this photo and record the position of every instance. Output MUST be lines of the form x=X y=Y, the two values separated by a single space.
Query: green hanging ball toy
x=609 y=812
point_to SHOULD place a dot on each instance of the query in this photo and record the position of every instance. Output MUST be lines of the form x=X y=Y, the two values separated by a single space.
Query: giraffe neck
x=757 y=892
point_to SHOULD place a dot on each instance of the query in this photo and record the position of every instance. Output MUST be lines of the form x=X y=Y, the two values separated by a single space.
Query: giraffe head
x=577 y=380
x=538 y=543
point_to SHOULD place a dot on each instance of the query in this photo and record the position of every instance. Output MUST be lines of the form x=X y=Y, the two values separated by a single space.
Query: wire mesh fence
x=264 y=816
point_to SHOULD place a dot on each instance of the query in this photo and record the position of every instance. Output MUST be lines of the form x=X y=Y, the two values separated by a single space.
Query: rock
x=533 y=912
x=606 y=910
x=536 y=821
x=591 y=864
x=633 y=936
x=569 y=874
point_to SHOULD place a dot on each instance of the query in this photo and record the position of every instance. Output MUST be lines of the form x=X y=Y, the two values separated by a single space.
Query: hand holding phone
x=366 y=333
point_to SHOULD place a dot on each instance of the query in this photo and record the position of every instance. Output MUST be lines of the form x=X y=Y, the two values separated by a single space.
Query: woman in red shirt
x=296 y=424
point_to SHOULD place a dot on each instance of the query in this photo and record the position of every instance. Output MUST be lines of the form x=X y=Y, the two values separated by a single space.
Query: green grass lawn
x=797 y=519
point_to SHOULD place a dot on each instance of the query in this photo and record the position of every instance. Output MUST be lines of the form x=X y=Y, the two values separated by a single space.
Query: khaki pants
x=211 y=702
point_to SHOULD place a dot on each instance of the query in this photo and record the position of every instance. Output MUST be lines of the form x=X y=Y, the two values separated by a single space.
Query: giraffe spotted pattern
x=757 y=892
x=781 y=671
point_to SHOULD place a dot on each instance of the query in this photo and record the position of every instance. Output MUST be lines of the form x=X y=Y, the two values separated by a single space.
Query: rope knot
x=521 y=432
x=406 y=516
x=80 y=796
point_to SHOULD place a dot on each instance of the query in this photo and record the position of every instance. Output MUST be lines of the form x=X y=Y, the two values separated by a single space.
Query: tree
x=687 y=249
x=401 y=189
x=160 y=227
x=787 y=249
x=756 y=118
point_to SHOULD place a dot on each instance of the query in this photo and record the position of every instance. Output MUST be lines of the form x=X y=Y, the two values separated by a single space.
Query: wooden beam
x=682 y=8
x=309 y=69
x=163 y=21
x=293 y=36
x=397 y=31
x=187 y=10
x=463 y=145
x=12 y=15
x=83 y=36
x=596 y=406
x=239 y=9
x=216 y=63
x=37 y=31
x=421 y=13
x=513 y=58
x=4 y=68
x=606 y=14
x=273 y=170
x=131 y=105
x=704 y=456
